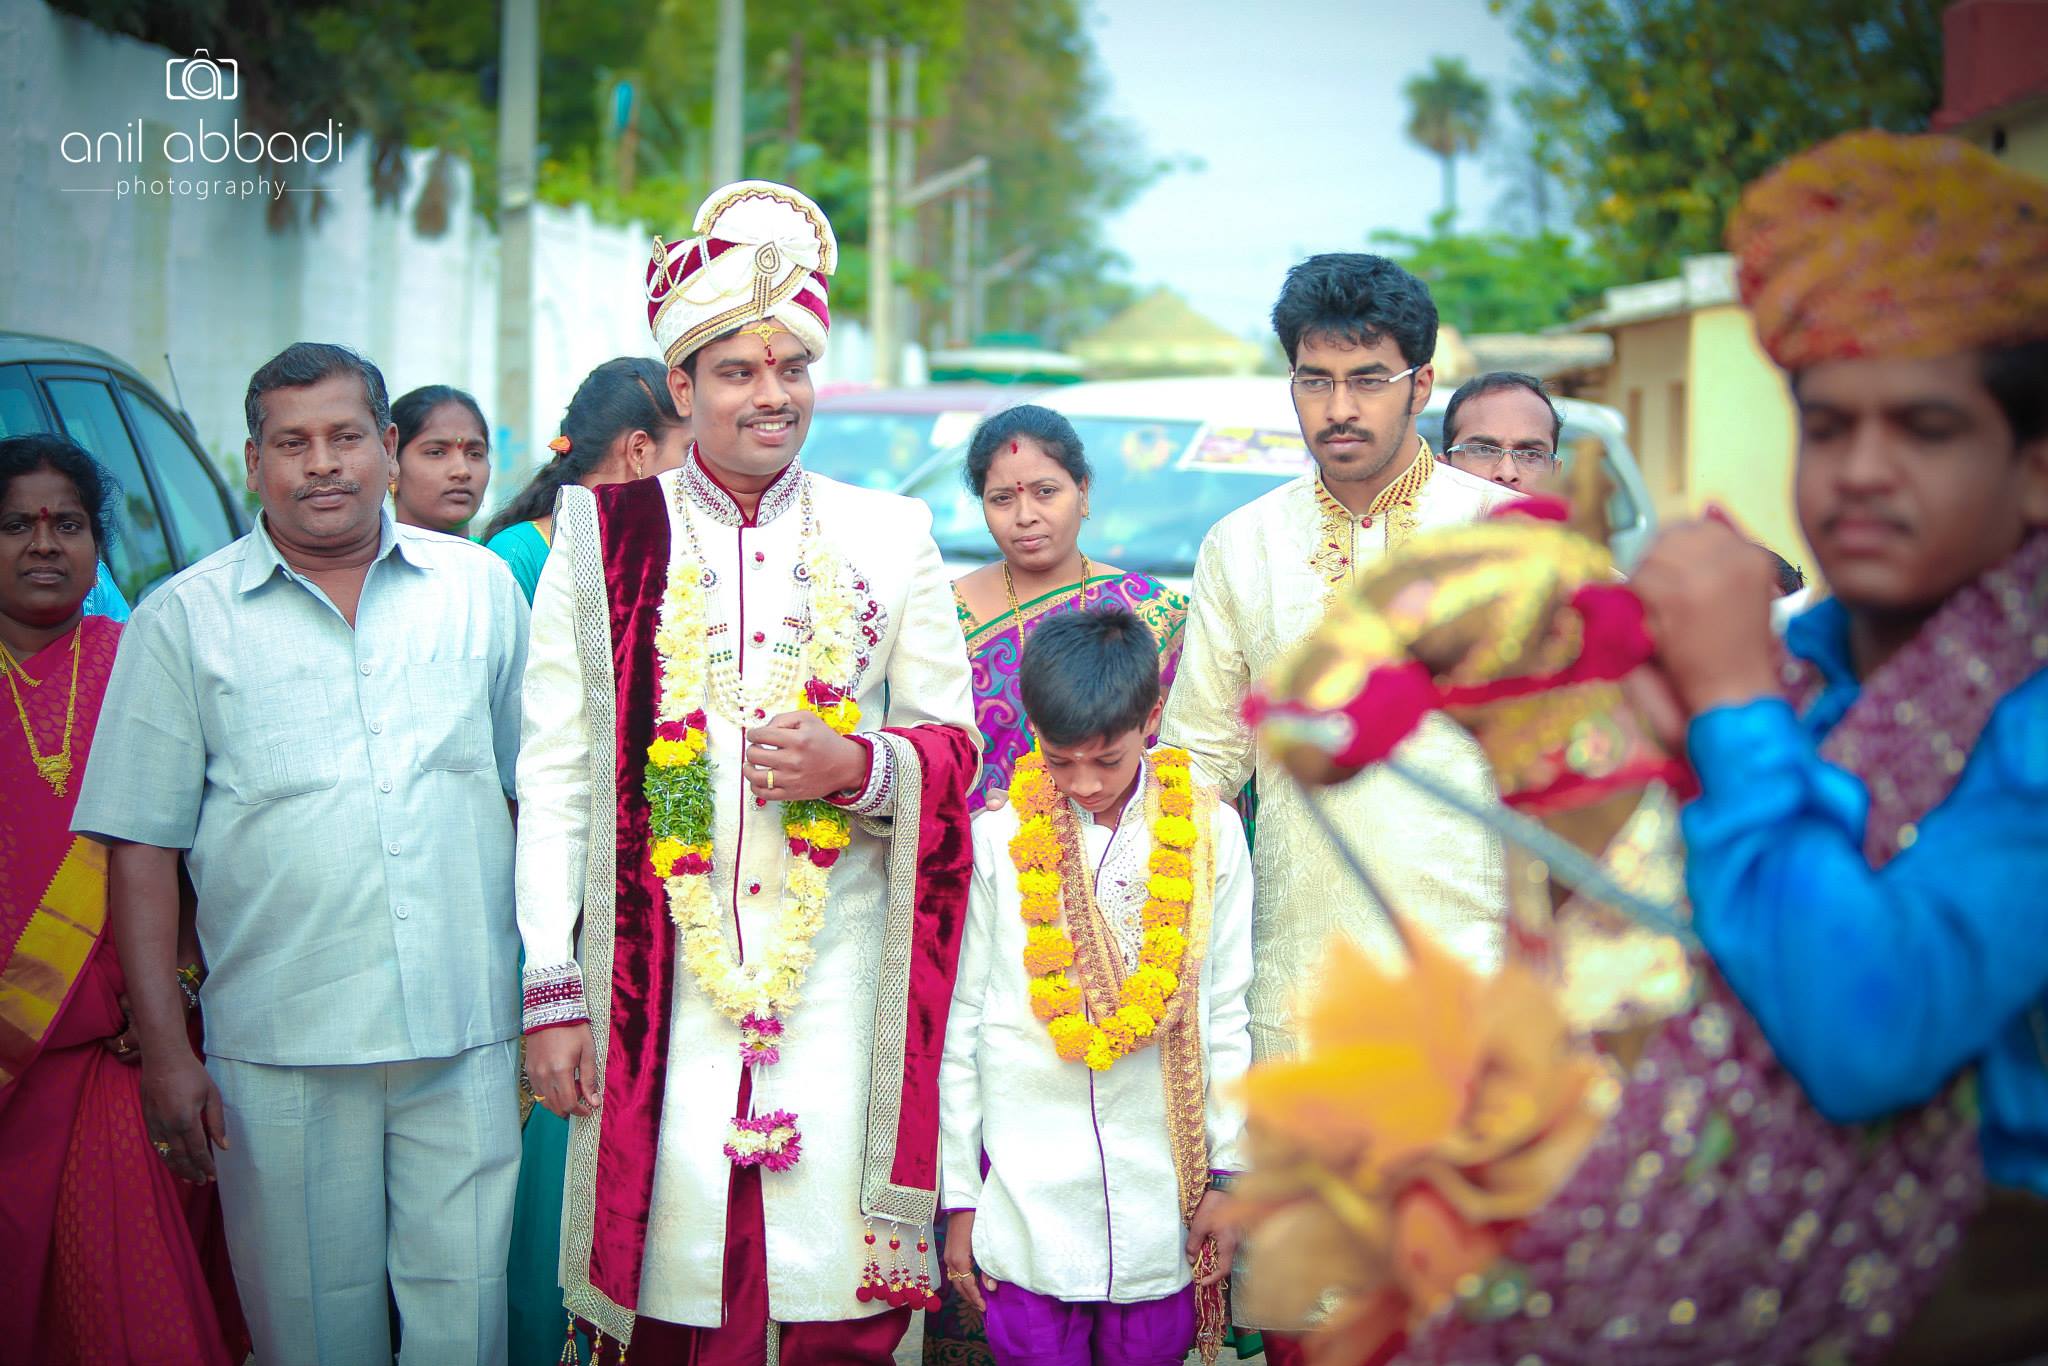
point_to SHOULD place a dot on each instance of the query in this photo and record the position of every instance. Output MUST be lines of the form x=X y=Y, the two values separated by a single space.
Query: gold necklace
x=1017 y=613
x=55 y=768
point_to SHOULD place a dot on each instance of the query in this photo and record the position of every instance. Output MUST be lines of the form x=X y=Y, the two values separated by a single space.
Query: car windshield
x=873 y=450
x=1159 y=486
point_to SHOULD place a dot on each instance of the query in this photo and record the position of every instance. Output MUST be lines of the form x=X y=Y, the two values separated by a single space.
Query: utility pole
x=963 y=268
x=727 y=134
x=964 y=183
x=906 y=174
x=977 y=313
x=518 y=133
x=881 y=254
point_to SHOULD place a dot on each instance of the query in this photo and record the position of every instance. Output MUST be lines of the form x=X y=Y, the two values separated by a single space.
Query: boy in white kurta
x=1099 y=1025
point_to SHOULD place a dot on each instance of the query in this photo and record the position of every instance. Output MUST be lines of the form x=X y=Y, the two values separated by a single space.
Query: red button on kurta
x=753 y=889
x=760 y=637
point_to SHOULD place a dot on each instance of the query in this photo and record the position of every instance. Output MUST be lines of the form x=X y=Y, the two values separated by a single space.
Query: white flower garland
x=767 y=985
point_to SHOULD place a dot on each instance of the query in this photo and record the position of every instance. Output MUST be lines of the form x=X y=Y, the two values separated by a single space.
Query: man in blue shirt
x=1868 y=858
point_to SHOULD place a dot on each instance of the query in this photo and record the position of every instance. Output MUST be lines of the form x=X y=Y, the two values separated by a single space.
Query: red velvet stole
x=633 y=522
x=634 y=526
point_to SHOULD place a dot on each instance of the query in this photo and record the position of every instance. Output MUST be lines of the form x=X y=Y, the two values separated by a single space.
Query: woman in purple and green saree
x=1027 y=467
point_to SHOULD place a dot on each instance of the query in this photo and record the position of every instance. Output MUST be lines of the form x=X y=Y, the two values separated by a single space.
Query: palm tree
x=1450 y=111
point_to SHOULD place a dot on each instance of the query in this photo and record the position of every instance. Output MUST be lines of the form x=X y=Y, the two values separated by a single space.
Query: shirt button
x=366 y=670
x=760 y=801
x=401 y=912
x=376 y=728
x=760 y=637
x=760 y=715
x=384 y=785
x=759 y=559
x=753 y=889
x=392 y=847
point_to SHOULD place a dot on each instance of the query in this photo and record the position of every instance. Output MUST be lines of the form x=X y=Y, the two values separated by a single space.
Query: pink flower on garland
x=760 y=1040
x=692 y=865
x=771 y=1141
x=819 y=693
x=803 y=848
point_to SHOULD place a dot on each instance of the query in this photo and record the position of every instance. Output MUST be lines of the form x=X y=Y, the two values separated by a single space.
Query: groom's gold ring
x=959 y=1275
x=771 y=778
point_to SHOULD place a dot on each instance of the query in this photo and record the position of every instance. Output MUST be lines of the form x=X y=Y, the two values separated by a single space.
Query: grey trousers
x=336 y=1177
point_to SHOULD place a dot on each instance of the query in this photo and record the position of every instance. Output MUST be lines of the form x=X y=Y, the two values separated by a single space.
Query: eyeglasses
x=1361 y=386
x=1488 y=455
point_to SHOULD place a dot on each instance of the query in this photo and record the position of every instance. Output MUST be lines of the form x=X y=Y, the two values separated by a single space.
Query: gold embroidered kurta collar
x=1336 y=551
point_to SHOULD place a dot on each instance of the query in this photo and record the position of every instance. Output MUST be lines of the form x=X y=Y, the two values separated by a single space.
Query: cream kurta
x=1258 y=592
x=918 y=675
x=1081 y=1199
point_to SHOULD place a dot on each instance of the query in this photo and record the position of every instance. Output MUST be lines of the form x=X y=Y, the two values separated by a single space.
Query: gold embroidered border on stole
x=576 y=509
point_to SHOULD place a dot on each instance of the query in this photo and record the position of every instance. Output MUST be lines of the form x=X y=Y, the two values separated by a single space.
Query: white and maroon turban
x=761 y=253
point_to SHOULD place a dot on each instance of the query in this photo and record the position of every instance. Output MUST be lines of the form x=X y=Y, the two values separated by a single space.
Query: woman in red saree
x=105 y=1257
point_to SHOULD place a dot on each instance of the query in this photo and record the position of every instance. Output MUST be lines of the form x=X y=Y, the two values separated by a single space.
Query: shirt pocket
x=451 y=714
x=282 y=744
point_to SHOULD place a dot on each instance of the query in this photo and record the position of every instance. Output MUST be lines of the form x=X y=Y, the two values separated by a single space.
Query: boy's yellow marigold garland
x=1037 y=852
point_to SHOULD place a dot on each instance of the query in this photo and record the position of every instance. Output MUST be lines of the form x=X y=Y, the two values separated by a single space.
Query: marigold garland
x=759 y=994
x=1145 y=991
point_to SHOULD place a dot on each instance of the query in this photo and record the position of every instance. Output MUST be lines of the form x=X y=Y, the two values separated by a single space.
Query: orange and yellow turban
x=1885 y=245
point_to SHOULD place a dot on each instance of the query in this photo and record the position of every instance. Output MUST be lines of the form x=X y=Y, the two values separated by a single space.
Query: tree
x=1018 y=83
x=1449 y=111
x=1656 y=113
x=1496 y=282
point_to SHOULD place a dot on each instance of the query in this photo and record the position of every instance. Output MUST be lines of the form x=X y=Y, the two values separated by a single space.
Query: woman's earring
x=392 y=487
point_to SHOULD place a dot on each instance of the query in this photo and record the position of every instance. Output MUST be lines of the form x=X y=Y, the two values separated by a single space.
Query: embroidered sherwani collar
x=714 y=501
x=1336 y=552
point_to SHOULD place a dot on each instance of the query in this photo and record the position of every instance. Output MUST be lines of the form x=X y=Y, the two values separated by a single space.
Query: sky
x=1294 y=110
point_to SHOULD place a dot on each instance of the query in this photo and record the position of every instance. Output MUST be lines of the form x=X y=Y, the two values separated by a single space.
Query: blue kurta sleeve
x=1874 y=986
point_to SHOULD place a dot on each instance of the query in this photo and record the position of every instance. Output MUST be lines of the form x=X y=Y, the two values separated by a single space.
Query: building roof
x=1991 y=59
x=1163 y=334
x=1706 y=282
x=1538 y=354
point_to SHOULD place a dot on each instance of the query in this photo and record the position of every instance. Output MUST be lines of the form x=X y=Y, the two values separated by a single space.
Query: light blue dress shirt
x=342 y=794
x=1877 y=986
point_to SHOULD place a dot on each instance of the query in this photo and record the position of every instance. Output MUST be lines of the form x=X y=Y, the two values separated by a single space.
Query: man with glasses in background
x=1359 y=332
x=1502 y=426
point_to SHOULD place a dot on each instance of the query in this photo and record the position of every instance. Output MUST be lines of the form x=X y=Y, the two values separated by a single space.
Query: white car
x=1172 y=456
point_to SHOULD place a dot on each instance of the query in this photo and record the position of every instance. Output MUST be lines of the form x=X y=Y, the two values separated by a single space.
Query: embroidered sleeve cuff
x=873 y=797
x=553 y=996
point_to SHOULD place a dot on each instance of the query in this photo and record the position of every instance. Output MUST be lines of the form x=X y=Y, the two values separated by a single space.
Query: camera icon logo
x=201 y=77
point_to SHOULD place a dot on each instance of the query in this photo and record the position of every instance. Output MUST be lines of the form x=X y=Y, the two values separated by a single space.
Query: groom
x=743 y=852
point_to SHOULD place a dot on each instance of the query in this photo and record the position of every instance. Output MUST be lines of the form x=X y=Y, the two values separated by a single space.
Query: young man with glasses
x=1359 y=333
x=1502 y=426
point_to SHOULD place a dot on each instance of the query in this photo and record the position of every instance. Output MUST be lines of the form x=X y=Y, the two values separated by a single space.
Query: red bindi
x=1013 y=450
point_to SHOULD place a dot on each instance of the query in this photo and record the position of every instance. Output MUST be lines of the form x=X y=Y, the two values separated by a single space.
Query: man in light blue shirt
x=324 y=718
